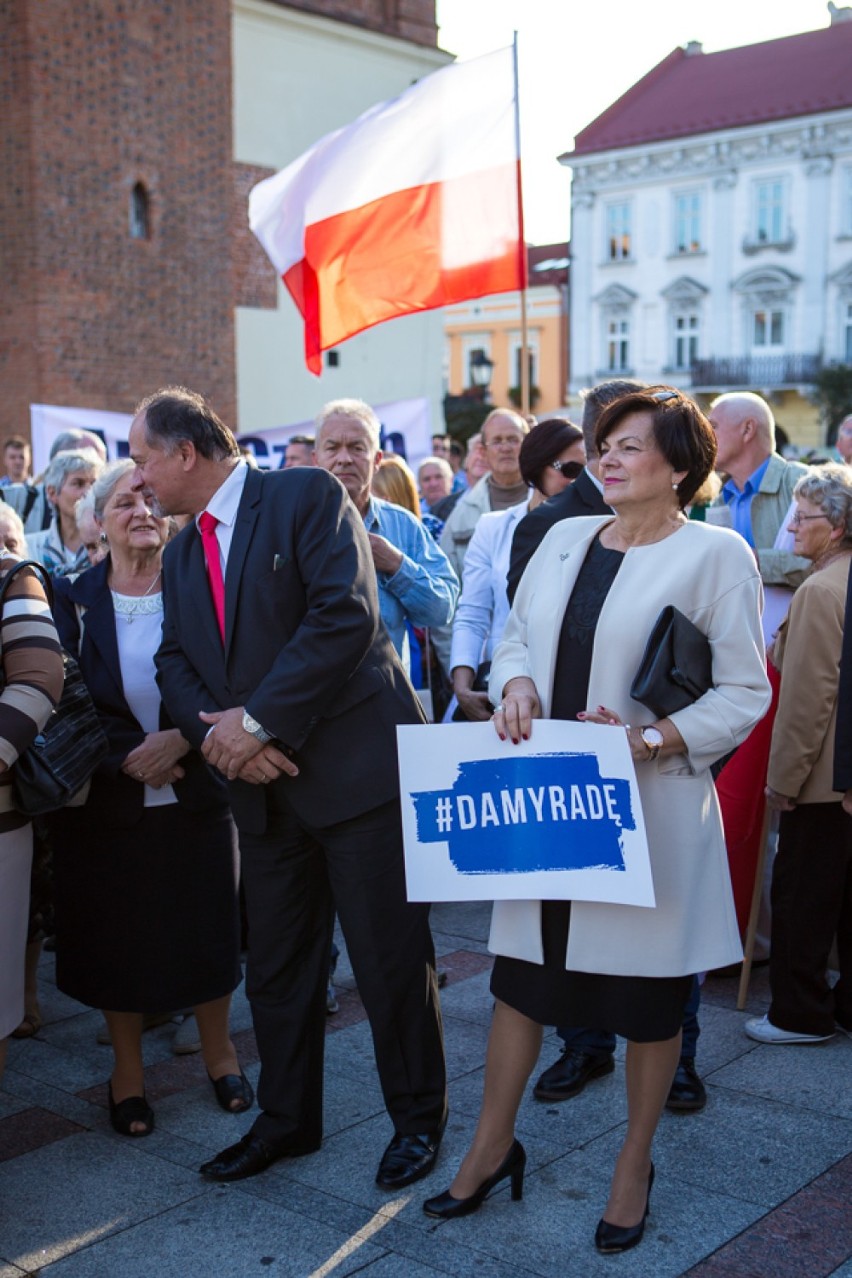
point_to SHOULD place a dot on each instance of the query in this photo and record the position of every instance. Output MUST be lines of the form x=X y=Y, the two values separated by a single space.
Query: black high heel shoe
x=233 y=1087
x=445 y=1207
x=613 y=1238
x=133 y=1109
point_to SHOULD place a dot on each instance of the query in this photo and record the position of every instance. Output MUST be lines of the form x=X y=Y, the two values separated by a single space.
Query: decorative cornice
x=616 y=297
x=719 y=159
x=684 y=289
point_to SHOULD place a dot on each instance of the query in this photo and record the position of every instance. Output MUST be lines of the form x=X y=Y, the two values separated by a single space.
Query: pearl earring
x=676 y=486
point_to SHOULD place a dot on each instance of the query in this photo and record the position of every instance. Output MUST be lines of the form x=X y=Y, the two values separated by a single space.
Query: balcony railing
x=756 y=370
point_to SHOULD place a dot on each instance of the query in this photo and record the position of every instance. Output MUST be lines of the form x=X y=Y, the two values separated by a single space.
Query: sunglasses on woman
x=569 y=469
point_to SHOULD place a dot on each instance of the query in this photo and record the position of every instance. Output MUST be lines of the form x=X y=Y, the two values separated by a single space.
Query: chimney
x=693 y=47
x=839 y=15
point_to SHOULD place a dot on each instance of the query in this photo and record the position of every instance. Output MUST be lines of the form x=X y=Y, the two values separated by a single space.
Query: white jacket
x=710 y=575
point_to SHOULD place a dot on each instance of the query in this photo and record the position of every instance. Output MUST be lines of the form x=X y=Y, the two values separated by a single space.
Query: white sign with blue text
x=557 y=817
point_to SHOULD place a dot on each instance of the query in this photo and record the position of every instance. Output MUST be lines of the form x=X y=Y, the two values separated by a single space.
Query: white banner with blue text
x=557 y=817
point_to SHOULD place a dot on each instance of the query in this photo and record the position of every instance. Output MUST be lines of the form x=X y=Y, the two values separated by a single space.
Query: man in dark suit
x=275 y=664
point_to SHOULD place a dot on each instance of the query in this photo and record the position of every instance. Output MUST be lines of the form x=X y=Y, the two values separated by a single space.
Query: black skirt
x=146 y=917
x=645 y=1009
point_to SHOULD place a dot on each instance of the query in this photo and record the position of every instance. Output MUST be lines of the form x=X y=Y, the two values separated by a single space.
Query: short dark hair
x=681 y=432
x=310 y=440
x=595 y=400
x=15 y=441
x=543 y=445
x=175 y=413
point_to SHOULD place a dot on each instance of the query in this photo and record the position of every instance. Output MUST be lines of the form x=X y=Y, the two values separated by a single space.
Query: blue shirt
x=424 y=589
x=740 y=501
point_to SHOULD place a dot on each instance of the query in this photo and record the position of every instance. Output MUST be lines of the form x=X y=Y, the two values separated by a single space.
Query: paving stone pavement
x=758 y=1184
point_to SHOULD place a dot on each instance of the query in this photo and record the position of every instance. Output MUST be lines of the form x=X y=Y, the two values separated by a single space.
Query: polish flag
x=413 y=206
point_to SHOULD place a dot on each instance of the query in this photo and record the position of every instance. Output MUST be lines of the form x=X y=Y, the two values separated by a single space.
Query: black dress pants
x=811 y=904
x=295 y=877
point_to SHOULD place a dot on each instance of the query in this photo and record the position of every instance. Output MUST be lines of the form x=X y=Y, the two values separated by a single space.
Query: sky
x=575 y=59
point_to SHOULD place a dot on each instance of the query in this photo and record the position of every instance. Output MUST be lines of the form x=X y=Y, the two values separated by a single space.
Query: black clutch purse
x=676 y=668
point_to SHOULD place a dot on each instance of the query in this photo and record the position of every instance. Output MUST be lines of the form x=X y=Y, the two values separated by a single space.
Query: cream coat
x=710 y=575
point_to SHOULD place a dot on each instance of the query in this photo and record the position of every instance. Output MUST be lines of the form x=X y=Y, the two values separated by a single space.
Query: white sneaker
x=187 y=1039
x=761 y=1029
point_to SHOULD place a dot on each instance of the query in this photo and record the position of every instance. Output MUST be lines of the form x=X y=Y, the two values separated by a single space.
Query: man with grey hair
x=758 y=487
x=60 y=547
x=416 y=582
x=502 y=486
x=274 y=663
x=435 y=479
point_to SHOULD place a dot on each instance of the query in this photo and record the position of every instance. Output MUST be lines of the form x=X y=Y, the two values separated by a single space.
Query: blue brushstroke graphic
x=542 y=812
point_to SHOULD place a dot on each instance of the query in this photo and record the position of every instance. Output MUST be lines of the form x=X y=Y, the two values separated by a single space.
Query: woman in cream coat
x=656 y=449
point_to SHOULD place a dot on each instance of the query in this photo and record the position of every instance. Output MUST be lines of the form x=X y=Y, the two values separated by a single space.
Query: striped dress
x=32 y=683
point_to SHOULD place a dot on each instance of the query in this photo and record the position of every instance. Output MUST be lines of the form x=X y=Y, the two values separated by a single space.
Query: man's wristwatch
x=254 y=729
x=653 y=739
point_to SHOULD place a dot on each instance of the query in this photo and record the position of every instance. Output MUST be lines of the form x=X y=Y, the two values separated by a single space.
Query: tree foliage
x=833 y=396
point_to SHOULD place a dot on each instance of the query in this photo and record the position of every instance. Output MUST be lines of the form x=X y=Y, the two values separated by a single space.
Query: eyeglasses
x=662 y=396
x=570 y=469
x=799 y=518
x=508 y=441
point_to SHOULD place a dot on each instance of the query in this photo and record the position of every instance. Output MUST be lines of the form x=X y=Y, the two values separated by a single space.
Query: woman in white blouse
x=146 y=897
x=551 y=457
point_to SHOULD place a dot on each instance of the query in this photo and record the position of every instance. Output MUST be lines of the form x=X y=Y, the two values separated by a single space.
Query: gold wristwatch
x=653 y=739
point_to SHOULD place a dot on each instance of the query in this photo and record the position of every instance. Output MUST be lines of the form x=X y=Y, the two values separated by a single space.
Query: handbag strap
x=16 y=568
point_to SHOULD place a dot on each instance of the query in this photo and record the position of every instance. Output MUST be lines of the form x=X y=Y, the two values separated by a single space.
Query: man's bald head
x=745 y=432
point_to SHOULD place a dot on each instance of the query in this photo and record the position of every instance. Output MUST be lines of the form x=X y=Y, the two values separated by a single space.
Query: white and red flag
x=414 y=205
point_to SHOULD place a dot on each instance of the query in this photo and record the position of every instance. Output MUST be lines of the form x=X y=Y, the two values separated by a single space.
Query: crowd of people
x=251 y=641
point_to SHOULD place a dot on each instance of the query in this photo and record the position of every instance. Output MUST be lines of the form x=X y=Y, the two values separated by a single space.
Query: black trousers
x=811 y=904
x=295 y=877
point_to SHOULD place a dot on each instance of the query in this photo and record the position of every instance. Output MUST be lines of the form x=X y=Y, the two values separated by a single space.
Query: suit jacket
x=710 y=574
x=118 y=799
x=807 y=652
x=305 y=650
x=769 y=508
x=580 y=498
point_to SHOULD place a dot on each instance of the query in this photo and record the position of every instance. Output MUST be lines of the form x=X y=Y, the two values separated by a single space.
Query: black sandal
x=233 y=1087
x=134 y=1109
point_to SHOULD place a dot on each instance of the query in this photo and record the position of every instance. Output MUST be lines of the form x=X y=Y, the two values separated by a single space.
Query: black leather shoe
x=249 y=1157
x=408 y=1158
x=610 y=1239
x=687 y=1092
x=568 y=1076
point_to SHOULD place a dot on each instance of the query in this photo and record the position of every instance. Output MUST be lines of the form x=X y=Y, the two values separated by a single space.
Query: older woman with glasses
x=812 y=875
x=552 y=456
x=584 y=610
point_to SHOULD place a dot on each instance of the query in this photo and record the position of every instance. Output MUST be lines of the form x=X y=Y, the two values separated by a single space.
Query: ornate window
x=687 y=222
x=685 y=299
x=619 y=239
x=770 y=224
x=616 y=305
x=768 y=297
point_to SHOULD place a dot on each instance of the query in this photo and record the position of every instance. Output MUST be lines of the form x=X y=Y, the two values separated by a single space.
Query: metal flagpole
x=522 y=245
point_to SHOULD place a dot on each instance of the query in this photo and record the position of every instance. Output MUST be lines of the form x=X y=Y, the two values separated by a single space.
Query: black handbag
x=676 y=667
x=53 y=771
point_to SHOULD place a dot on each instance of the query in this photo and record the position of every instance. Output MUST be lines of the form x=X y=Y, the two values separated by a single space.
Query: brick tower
x=120 y=255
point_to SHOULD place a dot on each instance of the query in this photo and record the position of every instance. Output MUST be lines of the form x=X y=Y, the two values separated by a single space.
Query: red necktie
x=207 y=523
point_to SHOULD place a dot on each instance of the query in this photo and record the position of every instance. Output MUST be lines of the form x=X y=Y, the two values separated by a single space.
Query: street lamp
x=480 y=367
